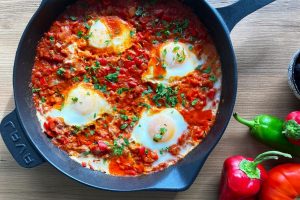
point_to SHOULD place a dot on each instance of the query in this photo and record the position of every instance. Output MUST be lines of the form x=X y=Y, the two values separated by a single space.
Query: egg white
x=82 y=106
x=177 y=58
x=168 y=118
x=103 y=35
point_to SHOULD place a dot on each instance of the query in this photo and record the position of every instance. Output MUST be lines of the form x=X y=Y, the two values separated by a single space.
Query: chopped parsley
x=132 y=33
x=92 y=132
x=79 y=34
x=183 y=102
x=181 y=26
x=166 y=95
x=123 y=126
x=124 y=117
x=194 y=102
x=155 y=42
x=106 y=42
x=74 y=99
x=164 y=65
x=164 y=53
x=96 y=66
x=129 y=57
x=162 y=150
x=145 y=105
x=148 y=91
x=76 y=129
x=199 y=67
x=213 y=78
x=51 y=38
x=73 y=18
x=60 y=71
x=191 y=47
x=175 y=49
x=87 y=26
x=207 y=70
x=86 y=153
x=86 y=79
x=121 y=90
x=162 y=130
x=94 y=78
x=167 y=32
x=86 y=37
x=113 y=77
x=139 y=11
x=102 y=88
x=35 y=90
x=43 y=100
x=180 y=57
x=95 y=115
x=118 y=146
x=135 y=118
x=157 y=137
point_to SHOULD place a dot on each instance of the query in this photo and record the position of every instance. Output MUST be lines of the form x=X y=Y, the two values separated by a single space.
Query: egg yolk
x=173 y=55
x=86 y=104
x=161 y=128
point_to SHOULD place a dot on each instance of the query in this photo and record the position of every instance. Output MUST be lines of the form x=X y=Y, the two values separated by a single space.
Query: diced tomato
x=103 y=61
x=211 y=93
x=128 y=64
x=102 y=146
x=142 y=150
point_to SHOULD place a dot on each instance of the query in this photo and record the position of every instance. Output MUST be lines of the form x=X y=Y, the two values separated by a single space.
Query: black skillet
x=30 y=147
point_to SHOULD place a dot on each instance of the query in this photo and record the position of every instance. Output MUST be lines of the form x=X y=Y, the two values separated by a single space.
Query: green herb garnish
x=51 y=38
x=124 y=117
x=79 y=34
x=148 y=91
x=60 y=71
x=166 y=95
x=139 y=11
x=213 y=78
x=74 y=99
x=73 y=18
x=121 y=90
x=123 y=126
x=35 y=90
x=207 y=70
x=102 y=88
x=113 y=77
x=194 y=102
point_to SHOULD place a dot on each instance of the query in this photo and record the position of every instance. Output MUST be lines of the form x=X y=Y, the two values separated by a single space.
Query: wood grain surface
x=264 y=43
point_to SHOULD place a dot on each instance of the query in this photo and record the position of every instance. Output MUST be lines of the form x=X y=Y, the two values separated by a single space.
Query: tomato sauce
x=57 y=69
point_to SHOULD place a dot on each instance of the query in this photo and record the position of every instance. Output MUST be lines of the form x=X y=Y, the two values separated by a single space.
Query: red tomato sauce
x=154 y=23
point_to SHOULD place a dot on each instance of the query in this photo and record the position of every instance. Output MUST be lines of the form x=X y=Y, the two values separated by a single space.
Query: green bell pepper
x=268 y=130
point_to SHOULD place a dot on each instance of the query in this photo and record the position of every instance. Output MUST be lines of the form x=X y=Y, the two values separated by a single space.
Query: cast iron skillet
x=30 y=147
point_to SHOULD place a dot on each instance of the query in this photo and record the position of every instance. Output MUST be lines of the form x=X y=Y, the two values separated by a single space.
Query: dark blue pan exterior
x=30 y=147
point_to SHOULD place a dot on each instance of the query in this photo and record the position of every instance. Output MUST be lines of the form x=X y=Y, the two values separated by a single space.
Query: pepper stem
x=248 y=123
x=250 y=167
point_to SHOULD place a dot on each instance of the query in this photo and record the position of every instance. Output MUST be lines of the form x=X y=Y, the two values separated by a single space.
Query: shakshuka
x=126 y=87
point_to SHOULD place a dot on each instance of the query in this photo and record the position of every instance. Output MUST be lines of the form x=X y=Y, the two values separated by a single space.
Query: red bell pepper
x=242 y=177
x=291 y=127
x=283 y=183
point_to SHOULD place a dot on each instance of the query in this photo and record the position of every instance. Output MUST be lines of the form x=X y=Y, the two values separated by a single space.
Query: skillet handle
x=17 y=142
x=234 y=13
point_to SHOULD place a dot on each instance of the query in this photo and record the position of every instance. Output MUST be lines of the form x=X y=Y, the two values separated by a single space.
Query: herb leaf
x=102 y=88
x=165 y=94
x=139 y=11
x=113 y=77
x=60 y=71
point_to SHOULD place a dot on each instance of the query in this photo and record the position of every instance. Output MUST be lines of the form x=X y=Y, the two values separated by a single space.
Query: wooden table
x=264 y=43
